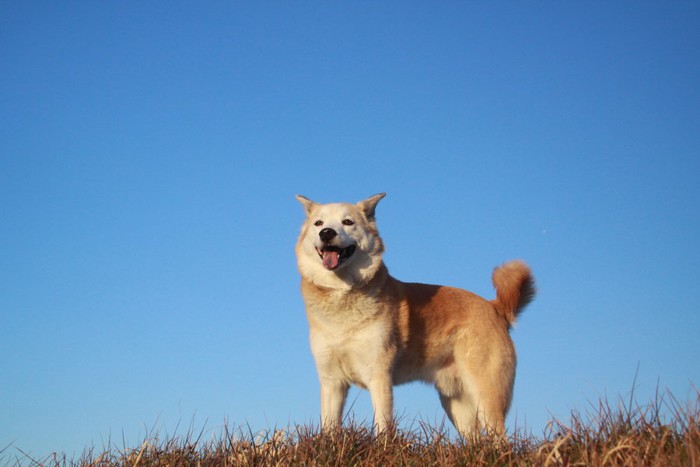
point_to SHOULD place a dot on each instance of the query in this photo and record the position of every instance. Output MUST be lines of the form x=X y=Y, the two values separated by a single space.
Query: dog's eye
x=348 y=222
x=318 y=223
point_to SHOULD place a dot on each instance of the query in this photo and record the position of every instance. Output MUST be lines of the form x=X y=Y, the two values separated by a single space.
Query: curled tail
x=515 y=288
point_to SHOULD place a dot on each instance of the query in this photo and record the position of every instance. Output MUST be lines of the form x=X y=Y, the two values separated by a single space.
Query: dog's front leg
x=333 y=394
x=381 y=392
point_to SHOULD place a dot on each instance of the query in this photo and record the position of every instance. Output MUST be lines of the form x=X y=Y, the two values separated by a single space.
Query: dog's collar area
x=333 y=256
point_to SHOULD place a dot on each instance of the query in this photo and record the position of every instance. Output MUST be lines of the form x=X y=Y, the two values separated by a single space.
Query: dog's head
x=339 y=246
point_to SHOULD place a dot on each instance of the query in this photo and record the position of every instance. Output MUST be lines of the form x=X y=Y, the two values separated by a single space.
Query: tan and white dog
x=371 y=330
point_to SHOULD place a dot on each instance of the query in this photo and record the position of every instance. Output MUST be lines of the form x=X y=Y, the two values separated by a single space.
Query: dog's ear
x=307 y=203
x=368 y=205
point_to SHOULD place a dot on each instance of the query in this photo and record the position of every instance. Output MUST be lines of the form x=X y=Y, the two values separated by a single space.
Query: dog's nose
x=327 y=235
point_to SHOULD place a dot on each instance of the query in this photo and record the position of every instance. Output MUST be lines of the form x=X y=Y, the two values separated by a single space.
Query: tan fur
x=371 y=330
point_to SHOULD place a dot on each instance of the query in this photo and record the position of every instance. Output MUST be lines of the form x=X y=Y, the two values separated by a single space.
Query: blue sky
x=150 y=154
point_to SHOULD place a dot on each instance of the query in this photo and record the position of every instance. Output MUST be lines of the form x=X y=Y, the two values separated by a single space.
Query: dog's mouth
x=333 y=256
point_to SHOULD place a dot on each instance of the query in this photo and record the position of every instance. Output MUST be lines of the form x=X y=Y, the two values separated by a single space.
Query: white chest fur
x=350 y=336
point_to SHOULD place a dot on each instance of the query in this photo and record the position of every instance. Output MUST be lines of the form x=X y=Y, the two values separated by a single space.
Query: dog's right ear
x=307 y=203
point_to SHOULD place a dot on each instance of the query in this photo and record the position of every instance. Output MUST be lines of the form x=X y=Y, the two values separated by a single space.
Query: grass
x=661 y=433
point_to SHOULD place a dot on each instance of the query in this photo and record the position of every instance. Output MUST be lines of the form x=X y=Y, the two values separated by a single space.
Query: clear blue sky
x=150 y=154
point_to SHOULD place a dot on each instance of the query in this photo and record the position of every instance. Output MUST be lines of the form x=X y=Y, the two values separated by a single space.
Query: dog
x=371 y=330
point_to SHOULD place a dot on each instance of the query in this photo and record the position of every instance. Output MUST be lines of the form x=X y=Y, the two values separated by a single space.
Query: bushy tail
x=515 y=288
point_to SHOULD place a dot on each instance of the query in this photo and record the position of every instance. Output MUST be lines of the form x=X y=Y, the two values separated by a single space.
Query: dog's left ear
x=307 y=203
x=368 y=205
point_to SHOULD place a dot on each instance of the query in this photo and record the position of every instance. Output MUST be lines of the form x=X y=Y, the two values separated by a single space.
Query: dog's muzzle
x=332 y=255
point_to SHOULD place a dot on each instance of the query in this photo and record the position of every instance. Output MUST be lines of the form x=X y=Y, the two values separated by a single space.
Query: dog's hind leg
x=473 y=416
x=489 y=393
x=476 y=392
x=461 y=413
x=491 y=416
x=333 y=395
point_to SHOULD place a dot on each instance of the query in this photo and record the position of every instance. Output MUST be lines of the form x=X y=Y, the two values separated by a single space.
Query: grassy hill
x=661 y=433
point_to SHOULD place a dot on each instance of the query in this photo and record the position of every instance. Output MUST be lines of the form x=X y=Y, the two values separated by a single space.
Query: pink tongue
x=330 y=259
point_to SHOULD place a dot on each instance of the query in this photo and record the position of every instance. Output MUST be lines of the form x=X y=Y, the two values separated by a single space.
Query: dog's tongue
x=330 y=259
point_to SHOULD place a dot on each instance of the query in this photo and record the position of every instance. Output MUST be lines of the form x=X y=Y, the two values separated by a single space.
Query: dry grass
x=662 y=433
